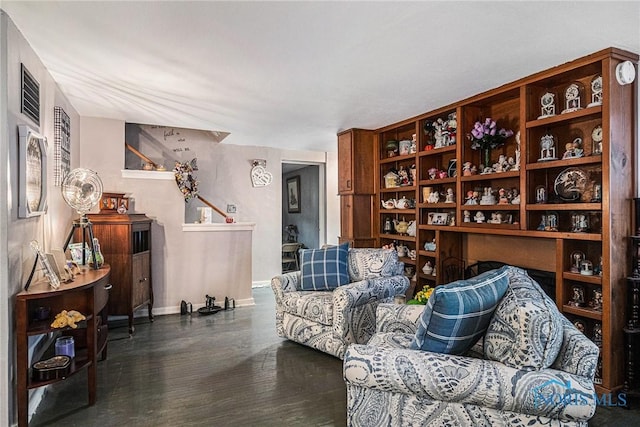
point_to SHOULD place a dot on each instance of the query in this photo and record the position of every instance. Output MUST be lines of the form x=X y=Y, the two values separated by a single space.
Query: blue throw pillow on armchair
x=324 y=269
x=458 y=314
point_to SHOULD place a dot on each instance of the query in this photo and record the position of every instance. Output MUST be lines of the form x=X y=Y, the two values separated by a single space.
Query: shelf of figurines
x=580 y=306
x=436 y=151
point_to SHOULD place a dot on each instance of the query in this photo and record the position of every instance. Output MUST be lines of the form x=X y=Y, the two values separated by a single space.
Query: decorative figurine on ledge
x=596 y=301
x=479 y=217
x=430 y=246
x=579 y=223
x=573 y=150
x=576 y=261
x=467 y=216
x=488 y=198
x=433 y=173
x=392 y=148
x=541 y=194
x=577 y=296
x=427 y=268
x=469 y=169
x=597 y=334
x=579 y=324
x=434 y=197
x=515 y=197
x=586 y=268
x=552 y=222
x=472 y=198
x=503 y=199
x=450 y=196
x=516 y=162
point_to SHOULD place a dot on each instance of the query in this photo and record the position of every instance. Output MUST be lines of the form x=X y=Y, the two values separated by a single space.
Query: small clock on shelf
x=573 y=97
x=547 y=105
x=596 y=91
x=596 y=139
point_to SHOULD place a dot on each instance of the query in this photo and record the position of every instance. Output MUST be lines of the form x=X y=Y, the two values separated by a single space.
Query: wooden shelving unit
x=538 y=233
x=88 y=294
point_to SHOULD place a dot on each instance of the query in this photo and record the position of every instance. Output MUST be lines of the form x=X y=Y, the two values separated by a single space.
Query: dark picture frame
x=32 y=170
x=293 y=194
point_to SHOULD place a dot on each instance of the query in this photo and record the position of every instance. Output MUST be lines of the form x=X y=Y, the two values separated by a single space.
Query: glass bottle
x=98 y=254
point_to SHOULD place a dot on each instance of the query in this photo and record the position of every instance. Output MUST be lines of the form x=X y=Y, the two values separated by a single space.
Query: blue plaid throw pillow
x=324 y=269
x=458 y=314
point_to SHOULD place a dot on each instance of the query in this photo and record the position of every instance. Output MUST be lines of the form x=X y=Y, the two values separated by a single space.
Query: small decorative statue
x=596 y=302
x=573 y=150
x=487 y=197
x=472 y=198
x=503 y=199
x=434 y=197
x=467 y=216
x=516 y=166
x=479 y=217
x=596 y=91
x=428 y=268
x=450 y=196
x=515 y=197
x=433 y=172
x=468 y=169
x=577 y=296
x=597 y=334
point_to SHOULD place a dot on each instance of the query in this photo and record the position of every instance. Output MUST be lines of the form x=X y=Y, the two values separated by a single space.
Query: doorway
x=303 y=204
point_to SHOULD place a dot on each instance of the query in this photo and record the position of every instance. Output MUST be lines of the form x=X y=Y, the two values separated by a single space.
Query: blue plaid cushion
x=324 y=269
x=458 y=314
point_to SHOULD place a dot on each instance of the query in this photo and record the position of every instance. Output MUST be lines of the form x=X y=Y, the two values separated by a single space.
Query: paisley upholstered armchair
x=332 y=301
x=521 y=361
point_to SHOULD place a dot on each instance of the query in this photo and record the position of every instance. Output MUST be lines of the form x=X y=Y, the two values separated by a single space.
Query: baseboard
x=261 y=284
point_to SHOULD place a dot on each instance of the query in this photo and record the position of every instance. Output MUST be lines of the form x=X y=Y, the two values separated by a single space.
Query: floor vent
x=30 y=104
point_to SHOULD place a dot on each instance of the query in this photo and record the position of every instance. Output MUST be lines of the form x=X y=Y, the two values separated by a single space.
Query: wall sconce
x=259 y=175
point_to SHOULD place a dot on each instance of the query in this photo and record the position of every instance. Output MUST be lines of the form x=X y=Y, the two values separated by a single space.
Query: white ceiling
x=293 y=74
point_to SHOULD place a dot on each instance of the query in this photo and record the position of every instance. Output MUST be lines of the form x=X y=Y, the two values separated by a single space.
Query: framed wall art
x=32 y=170
x=293 y=194
x=61 y=145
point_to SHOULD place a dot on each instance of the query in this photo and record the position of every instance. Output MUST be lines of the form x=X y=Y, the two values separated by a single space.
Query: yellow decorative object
x=67 y=318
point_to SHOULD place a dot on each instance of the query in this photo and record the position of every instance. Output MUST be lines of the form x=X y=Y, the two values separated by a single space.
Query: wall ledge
x=221 y=226
x=140 y=174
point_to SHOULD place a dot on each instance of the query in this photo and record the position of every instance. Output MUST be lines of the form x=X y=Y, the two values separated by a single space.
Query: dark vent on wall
x=30 y=96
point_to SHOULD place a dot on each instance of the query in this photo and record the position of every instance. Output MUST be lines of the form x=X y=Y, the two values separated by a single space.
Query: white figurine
x=479 y=217
x=467 y=216
x=434 y=197
x=450 y=197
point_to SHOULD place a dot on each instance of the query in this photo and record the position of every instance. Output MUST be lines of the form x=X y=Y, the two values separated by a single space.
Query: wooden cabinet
x=355 y=162
x=355 y=187
x=125 y=242
x=544 y=210
x=88 y=294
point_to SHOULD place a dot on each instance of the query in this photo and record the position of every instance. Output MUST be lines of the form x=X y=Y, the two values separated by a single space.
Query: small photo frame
x=438 y=218
x=293 y=194
x=75 y=249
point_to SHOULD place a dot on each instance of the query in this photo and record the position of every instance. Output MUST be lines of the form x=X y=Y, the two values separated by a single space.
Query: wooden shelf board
x=562 y=163
x=430 y=182
x=596 y=280
x=437 y=205
x=584 y=312
x=490 y=207
x=397 y=158
x=398 y=237
x=491 y=227
x=431 y=254
x=435 y=227
x=490 y=176
x=44 y=326
x=398 y=189
x=78 y=363
x=427 y=276
x=564 y=207
x=407 y=260
x=559 y=118
x=398 y=211
x=436 y=151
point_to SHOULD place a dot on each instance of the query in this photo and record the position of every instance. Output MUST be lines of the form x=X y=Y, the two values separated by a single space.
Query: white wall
x=224 y=175
x=50 y=229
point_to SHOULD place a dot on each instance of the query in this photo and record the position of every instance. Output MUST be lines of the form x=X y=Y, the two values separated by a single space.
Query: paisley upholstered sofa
x=332 y=301
x=531 y=366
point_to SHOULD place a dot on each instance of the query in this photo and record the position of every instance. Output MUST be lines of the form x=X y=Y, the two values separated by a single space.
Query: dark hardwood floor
x=227 y=369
